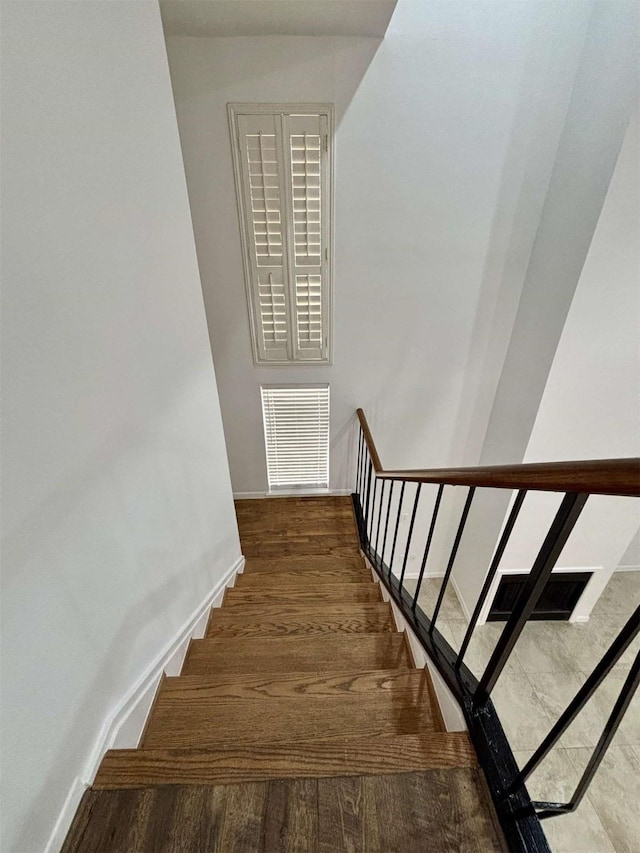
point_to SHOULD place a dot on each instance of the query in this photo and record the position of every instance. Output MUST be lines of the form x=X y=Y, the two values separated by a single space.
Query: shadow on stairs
x=299 y=723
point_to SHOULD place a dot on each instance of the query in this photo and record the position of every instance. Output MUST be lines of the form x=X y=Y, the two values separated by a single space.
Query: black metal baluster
x=410 y=534
x=493 y=568
x=452 y=557
x=561 y=527
x=615 y=718
x=366 y=514
x=395 y=535
x=384 y=483
x=359 y=469
x=613 y=654
x=386 y=523
x=428 y=545
x=373 y=511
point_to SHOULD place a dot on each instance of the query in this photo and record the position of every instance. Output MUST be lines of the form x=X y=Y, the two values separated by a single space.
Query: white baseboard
x=125 y=723
x=461 y=601
x=243 y=496
x=67 y=813
x=413 y=575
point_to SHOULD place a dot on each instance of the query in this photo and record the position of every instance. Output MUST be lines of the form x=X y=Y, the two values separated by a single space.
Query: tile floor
x=549 y=663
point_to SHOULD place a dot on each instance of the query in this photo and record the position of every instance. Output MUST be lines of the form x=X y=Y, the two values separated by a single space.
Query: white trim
x=591 y=593
x=627 y=569
x=67 y=813
x=124 y=724
x=461 y=601
x=411 y=576
x=325 y=109
x=301 y=493
x=582 y=610
x=451 y=712
x=415 y=574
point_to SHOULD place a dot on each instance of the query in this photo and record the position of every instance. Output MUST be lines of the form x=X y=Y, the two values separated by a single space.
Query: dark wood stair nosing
x=235 y=763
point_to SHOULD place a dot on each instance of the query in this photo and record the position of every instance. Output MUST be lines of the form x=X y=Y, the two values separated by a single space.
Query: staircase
x=299 y=723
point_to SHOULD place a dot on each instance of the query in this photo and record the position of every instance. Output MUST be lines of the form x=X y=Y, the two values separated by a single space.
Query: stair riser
x=210 y=724
x=343 y=547
x=301 y=525
x=272 y=656
x=296 y=685
x=315 y=562
x=339 y=594
x=301 y=580
x=306 y=624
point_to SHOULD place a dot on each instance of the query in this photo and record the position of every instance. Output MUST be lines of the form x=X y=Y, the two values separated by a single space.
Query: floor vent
x=556 y=602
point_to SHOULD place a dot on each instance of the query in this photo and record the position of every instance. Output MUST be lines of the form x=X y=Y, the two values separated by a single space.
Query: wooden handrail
x=591 y=476
x=371 y=445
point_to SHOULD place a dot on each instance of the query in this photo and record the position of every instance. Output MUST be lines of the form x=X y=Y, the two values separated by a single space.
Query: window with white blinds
x=282 y=161
x=296 y=434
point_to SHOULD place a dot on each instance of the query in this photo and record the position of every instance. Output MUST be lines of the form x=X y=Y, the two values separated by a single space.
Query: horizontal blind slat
x=296 y=428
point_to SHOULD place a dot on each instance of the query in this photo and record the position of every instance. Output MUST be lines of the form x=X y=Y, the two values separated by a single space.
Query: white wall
x=591 y=403
x=533 y=291
x=424 y=121
x=630 y=560
x=117 y=506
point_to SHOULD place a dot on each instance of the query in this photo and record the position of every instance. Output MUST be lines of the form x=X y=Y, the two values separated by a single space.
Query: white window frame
x=309 y=488
x=235 y=110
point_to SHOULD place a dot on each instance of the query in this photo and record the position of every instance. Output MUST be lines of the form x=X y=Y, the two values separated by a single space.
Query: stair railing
x=518 y=814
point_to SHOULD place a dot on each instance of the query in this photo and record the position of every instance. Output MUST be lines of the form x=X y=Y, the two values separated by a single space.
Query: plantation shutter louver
x=304 y=135
x=282 y=169
x=296 y=429
x=264 y=192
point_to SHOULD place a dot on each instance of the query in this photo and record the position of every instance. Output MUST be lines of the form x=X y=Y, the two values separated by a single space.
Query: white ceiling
x=276 y=17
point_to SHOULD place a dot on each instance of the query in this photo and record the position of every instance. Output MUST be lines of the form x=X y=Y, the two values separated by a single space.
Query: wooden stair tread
x=325 y=653
x=310 y=578
x=337 y=546
x=319 y=685
x=132 y=768
x=210 y=722
x=272 y=620
x=309 y=562
x=336 y=593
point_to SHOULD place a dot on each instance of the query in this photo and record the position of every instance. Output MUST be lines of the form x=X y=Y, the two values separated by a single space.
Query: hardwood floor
x=437 y=811
x=298 y=723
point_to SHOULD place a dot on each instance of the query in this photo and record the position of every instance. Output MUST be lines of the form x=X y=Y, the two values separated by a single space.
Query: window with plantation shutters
x=296 y=433
x=283 y=182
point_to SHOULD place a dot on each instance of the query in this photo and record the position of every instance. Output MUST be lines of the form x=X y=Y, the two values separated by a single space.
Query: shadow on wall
x=276 y=62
